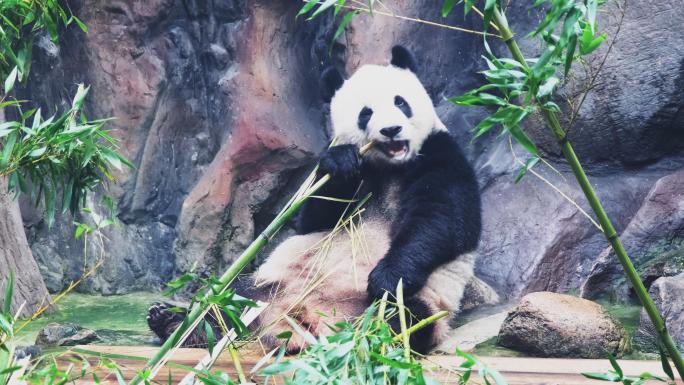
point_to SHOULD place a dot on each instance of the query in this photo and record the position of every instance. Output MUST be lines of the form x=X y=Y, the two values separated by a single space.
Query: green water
x=119 y=320
x=626 y=315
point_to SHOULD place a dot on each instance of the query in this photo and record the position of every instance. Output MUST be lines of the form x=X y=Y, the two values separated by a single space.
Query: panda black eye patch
x=364 y=117
x=403 y=105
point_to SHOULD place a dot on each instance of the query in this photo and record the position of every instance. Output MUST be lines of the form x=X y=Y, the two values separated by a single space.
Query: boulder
x=27 y=351
x=65 y=334
x=668 y=295
x=477 y=294
x=548 y=324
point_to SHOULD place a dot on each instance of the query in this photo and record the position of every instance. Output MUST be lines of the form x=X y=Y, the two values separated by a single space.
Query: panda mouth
x=394 y=148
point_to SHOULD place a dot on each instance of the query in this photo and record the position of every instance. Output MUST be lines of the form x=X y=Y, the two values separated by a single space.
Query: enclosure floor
x=549 y=371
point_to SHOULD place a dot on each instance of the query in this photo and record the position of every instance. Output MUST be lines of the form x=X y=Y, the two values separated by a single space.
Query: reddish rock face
x=216 y=114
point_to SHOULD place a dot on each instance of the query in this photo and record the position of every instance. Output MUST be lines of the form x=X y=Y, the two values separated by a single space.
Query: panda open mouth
x=394 y=148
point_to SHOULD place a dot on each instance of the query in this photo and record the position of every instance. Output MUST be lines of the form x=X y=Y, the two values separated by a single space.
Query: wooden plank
x=515 y=370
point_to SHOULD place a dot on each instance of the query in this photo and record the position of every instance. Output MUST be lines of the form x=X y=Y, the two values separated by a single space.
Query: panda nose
x=390 y=132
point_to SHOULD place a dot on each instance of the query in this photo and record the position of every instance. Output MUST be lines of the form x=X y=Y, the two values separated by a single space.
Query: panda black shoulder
x=440 y=150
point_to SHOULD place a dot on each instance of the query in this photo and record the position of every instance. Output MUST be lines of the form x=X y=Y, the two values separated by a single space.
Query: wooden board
x=551 y=371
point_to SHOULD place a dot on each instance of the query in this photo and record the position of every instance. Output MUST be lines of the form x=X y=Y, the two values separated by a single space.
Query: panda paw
x=160 y=317
x=385 y=277
x=341 y=162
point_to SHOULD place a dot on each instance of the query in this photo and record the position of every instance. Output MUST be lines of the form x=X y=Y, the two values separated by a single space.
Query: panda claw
x=341 y=162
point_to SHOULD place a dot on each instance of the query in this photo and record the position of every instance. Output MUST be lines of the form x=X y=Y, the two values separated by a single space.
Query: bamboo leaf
x=80 y=24
x=37 y=152
x=665 y=363
x=345 y=21
x=49 y=200
x=81 y=93
x=469 y=4
x=211 y=338
x=595 y=43
x=592 y=6
x=325 y=5
x=547 y=88
x=447 y=7
x=570 y=55
x=9 y=289
x=612 y=377
x=9 y=81
x=10 y=369
x=528 y=165
x=7 y=150
x=307 y=7
x=522 y=138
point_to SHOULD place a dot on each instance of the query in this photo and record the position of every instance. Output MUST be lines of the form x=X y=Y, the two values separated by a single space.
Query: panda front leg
x=417 y=309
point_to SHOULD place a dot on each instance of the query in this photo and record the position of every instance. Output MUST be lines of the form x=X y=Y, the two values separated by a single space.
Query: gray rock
x=654 y=234
x=665 y=265
x=65 y=334
x=476 y=331
x=548 y=324
x=477 y=294
x=27 y=351
x=668 y=294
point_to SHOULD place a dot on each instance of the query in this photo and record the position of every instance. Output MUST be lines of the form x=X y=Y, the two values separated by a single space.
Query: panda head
x=384 y=104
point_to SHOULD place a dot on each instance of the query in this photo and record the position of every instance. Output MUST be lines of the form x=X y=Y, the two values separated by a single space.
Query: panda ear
x=403 y=58
x=332 y=80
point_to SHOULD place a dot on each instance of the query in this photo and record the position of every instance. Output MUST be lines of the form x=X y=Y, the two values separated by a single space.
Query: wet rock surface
x=548 y=324
x=217 y=104
x=668 y=295
x=65 y=334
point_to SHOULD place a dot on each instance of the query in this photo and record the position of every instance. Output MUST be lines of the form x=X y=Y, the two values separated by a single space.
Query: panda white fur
x=421 y=224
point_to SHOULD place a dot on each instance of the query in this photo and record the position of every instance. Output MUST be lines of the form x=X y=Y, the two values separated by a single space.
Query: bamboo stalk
x=236 y=361
x=422 y=323
x=402 y=321
x=197 y=310
x=608 y=228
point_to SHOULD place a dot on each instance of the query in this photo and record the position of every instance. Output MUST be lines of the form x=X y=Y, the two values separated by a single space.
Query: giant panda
x=421 y=224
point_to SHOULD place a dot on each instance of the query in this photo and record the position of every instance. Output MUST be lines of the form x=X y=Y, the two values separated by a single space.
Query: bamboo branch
x=198 y=310
x=422 y=323
x=402 y=321
x=608 y=228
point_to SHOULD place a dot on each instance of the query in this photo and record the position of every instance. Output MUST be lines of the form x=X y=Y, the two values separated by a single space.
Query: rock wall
x=29 y=292
x=217 y=104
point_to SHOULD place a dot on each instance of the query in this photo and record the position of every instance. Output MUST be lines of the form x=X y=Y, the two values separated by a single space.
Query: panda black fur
x=421 y=225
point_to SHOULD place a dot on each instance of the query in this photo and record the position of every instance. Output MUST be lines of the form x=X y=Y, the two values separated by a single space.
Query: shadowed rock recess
x=217 y=104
